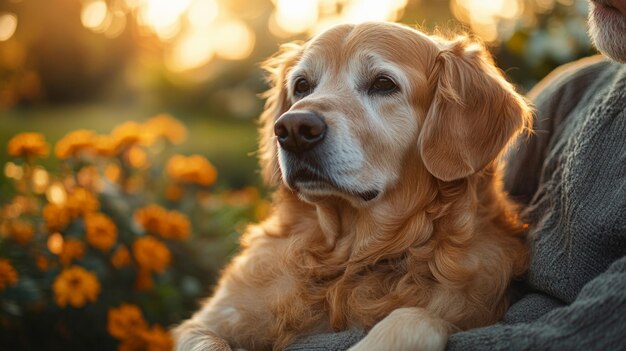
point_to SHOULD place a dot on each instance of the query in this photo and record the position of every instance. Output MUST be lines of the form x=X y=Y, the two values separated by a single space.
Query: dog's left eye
x=302 y=88
x=383 y=85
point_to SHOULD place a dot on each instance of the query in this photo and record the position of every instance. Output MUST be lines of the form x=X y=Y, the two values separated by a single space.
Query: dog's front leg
x=192 y=335
x=409 y=329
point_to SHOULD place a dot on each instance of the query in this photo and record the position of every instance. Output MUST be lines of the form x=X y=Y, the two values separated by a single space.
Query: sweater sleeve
x=553 y=99
x=596 y=320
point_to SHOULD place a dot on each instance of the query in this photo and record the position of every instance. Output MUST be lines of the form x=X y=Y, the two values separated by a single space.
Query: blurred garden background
x=128 y=137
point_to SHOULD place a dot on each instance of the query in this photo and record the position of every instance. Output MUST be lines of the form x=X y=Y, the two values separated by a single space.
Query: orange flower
x=157 y=339
x=8 y=275
x=28 y=145
x=127 y=134
x=151 y=254
x=121 y=257
x=192 y=169
x=175 y=226
x=105 y=145
x=101 y=231
x=169 y=225
x=57 y=217
x=150 y=217
x=137 y=157
x=75 y=143
x=82 y=201
x=72 y=250
x=125 y=322
x=20 y=231
x=167 y=127
x=75 y=286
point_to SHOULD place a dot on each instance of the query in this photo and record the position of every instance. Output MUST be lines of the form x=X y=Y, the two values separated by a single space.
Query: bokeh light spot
x=8 y=24
x=55 y=243
x=94 y=14
x=56 y=194
x=233 y=40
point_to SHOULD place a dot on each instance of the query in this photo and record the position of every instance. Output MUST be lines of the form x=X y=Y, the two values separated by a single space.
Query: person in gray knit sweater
x=571 y=178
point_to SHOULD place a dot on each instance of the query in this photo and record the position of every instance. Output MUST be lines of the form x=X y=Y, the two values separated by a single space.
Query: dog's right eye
x=302 y=88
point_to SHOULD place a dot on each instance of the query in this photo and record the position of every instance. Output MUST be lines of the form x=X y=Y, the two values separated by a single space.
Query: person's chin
x=607 y=28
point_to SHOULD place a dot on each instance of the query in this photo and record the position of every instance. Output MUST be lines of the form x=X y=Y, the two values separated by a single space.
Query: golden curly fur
x=432 y=253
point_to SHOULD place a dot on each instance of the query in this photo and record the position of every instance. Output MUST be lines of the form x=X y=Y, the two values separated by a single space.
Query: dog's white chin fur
x=607 y=33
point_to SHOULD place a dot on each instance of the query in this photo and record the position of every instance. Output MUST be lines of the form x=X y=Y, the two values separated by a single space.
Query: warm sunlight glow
x=8 y=24
x=202 y=13
x=163 y=16
x=191 y=51
x=94 y=14
x=117 y=24
x=373 y=10
x=233 y=40
x=296 y=16
x=194 y=32
x=483 y=16
x=314 y=16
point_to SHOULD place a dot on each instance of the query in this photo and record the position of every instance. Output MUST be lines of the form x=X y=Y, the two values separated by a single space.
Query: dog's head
x=348 y=107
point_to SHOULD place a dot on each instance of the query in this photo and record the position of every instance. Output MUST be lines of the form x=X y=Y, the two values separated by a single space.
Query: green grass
x=228 y=144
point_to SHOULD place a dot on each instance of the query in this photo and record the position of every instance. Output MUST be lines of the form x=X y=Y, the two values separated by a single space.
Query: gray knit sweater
x=572 y=176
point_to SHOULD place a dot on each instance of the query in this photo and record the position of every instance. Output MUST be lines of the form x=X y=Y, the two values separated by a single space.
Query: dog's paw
x=191 y=336
x=405 y=329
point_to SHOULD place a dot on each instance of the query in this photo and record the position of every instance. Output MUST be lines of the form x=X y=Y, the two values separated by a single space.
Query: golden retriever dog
x=389 y=213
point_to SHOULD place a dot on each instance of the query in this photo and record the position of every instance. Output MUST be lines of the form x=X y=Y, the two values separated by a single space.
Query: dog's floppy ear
x=276 y=104
x=474 y=112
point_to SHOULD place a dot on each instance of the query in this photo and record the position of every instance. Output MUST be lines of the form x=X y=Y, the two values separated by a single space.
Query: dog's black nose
x=299 y=131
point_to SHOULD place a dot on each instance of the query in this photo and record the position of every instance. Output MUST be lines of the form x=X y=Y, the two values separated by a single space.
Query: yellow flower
x=8 y=275
x=72 y=250
x=57 y=217
x=157 y=339
x=166 y=126
x=28 y=145
x=101 y=232
x=192 y=169
x=150 y=217
x=75 y=286
x=175 y=225
x=151 y=254
x=127 y=134
x=75 y=143
x=121 y=257
x=125 y=322
x=20 y=231
x=81 y=201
